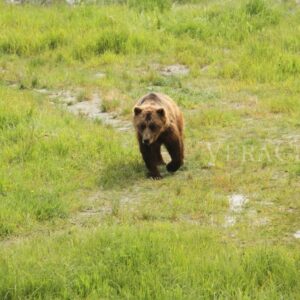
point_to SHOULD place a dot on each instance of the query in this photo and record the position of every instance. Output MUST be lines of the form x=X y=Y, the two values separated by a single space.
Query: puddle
x=236 y=202
x=297 y=234
x=175 y=70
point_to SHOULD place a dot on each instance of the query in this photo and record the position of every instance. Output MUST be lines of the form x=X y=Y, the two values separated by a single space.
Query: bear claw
x=155 y=177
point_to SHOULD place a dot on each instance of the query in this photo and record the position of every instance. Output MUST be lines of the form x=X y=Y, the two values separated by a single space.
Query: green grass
x=47 y=156
x=147 y=262
x=79 y=219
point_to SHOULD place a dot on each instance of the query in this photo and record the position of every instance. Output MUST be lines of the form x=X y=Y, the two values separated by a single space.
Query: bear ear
x=161 y=112
x=137 y=111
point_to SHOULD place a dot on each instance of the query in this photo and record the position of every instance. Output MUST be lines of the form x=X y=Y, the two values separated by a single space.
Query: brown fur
x=158 y=121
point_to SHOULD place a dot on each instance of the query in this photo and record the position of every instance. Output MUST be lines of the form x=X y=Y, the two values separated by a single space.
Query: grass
x=148 y=262
x=79 y=218
x=46 y=156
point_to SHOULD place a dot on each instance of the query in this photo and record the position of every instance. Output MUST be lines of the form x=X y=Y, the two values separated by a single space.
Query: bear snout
x=146 y=142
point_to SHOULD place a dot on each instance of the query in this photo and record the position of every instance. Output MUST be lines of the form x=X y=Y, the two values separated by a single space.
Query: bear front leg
x=158 y=156
x=149 y=157
x=174 y=146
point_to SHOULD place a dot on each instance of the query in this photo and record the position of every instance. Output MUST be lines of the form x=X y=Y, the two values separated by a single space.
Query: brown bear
x=158 y=121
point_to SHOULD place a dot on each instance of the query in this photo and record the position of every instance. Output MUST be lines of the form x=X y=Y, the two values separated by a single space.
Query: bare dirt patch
x=236 y=205
x=89 y=108
x=236 y=202
x=173 y=70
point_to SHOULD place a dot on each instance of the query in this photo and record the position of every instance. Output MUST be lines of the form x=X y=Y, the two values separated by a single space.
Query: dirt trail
x=89 y=108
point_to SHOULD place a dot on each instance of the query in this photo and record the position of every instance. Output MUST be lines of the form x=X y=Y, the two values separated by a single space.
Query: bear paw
x=155 y=176
x=173 y=167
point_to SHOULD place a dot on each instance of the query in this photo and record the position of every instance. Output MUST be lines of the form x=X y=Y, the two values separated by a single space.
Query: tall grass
x=262 y=42
x=143 y=5
x=146 y=262
x=46 y=157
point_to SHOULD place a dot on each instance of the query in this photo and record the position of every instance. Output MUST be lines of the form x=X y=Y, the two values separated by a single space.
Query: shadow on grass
x=122 y=173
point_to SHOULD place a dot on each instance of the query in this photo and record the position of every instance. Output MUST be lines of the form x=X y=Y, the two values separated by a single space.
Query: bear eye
x=142 y=127
x=152 y=127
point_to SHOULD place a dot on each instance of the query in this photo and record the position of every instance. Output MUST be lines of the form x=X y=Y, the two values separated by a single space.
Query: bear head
x=150 y=121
